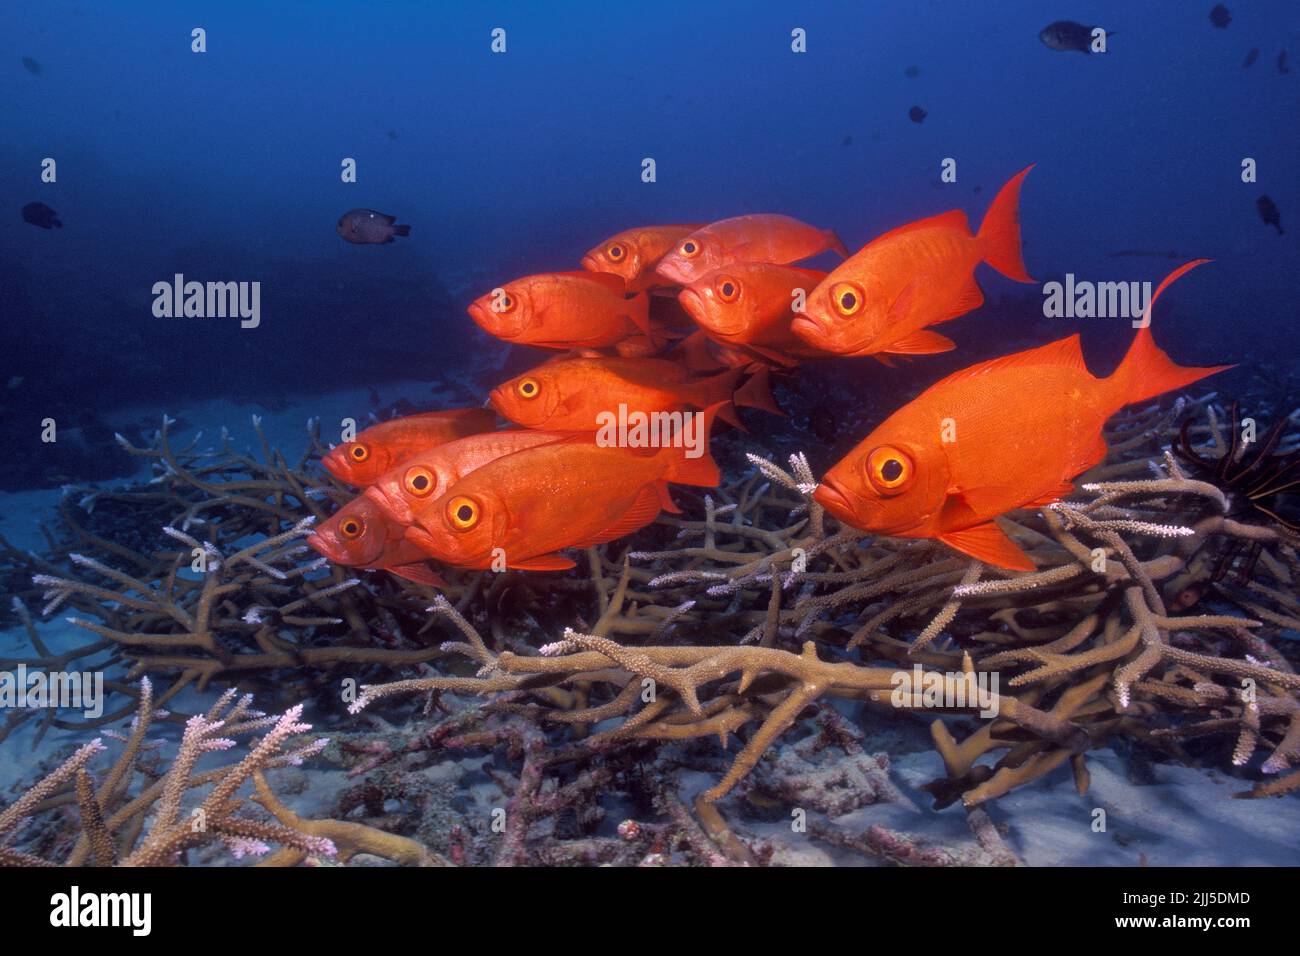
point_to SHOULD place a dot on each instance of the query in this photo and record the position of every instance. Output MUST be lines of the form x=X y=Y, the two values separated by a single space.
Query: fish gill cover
x=734 y=434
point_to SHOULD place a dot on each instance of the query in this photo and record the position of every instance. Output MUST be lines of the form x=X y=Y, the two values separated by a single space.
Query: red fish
x=750 y=305
x=524 y=508
x=765 y=237
x=419 y=482
x=564 y=310
x=382 y=447
x=883 y=297
x=1000 y=435
x=634 y=253
x=360 y=535
x=572 y=394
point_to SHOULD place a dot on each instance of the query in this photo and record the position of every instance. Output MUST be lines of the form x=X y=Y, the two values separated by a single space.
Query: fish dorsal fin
x=953 y=219
x=643 y=510
x=989 y=544
x=1063 y=353
x=544 y=562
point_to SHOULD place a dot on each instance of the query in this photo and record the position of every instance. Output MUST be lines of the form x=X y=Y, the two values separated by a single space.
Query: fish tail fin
x=757 y=393
x=1146 y=370
x=834 y=241
x=700 y=470
x=999 y=235
x=401 y=230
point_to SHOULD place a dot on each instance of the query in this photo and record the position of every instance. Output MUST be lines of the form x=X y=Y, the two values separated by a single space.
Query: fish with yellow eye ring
x=362 y=535
x=382 y=447
x=1021 y=428
x=523 y=509
x=634 y=253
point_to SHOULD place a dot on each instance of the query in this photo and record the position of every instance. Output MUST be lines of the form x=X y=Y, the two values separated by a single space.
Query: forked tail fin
x=999 y=235
x=1146 y=370
x=701 y=470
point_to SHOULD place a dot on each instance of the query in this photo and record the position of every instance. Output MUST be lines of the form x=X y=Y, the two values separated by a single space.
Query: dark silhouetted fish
x=39 y=214
x=1281 y=63
x=1251 y=57
x=822 y=424
x=367 y=227
x=33 y=67
x=1220 y=16
x=912 y=72
x=392 y=134
x=847 y=141
x=1066 y=35
x=1268 y=211
x=916 y=114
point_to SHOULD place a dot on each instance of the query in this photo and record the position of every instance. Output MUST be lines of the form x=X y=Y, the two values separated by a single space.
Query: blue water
x=225 y=165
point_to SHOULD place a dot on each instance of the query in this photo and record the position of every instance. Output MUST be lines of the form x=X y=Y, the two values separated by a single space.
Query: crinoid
x=1260 y=479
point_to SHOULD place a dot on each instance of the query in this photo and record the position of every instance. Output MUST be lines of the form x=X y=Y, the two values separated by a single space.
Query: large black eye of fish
x=351 y=528
x=690 y=249
x=360 y=452
x=616 y=252
x=846 y=298
x=728 y=290
x=528 y=388
x=419 y=481
x=888 y=469
x=462 y=512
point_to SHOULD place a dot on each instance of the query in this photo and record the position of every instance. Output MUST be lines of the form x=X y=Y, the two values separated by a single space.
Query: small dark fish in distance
x=1220 y=16
x=33 y=67
x=912 y=72
x=1268 y=211
x=1251 y=57
x=1281 y=63
x=1066 y=35
x=364 y=227
x=916 y=114
x=39 y=214
x=847 y=141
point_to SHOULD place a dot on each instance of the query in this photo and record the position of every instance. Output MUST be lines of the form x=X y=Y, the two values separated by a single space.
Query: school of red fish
x=682 y=323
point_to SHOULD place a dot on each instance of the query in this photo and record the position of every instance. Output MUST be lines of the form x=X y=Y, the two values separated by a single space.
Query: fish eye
x=889 y=469
x=728 y=289
x=616 y=252
x=462 y=512
x=359 y=452
x=419 y=481
x=689 y=248
x=847 y=298
x=502 y=301
x=528 y=388
x=351 y=528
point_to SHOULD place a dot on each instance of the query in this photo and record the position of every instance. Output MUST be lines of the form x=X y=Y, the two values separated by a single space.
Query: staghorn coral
x=745 y=617
x=136 y=814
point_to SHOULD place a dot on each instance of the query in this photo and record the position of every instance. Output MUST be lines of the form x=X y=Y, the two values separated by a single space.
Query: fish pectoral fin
x=543 y=562
x=644 y=509
x=901 y=306
x=921 y=342
x=420 y=573
x=970 y=299
x=772 y=356
x=989 y=544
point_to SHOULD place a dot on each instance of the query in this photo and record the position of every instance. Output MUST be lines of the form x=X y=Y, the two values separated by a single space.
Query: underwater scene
x=839 y=434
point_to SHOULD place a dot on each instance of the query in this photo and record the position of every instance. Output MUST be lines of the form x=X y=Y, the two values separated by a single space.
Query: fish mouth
x=591 y=264
x=835 y=500
x=325 y=547
x=693 y=303
x=425 y=542
x=807 y=329
x=395 y=508
x=672 y=272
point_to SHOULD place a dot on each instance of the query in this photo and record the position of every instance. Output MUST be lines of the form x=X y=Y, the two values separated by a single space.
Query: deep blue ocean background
x=225 y=166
